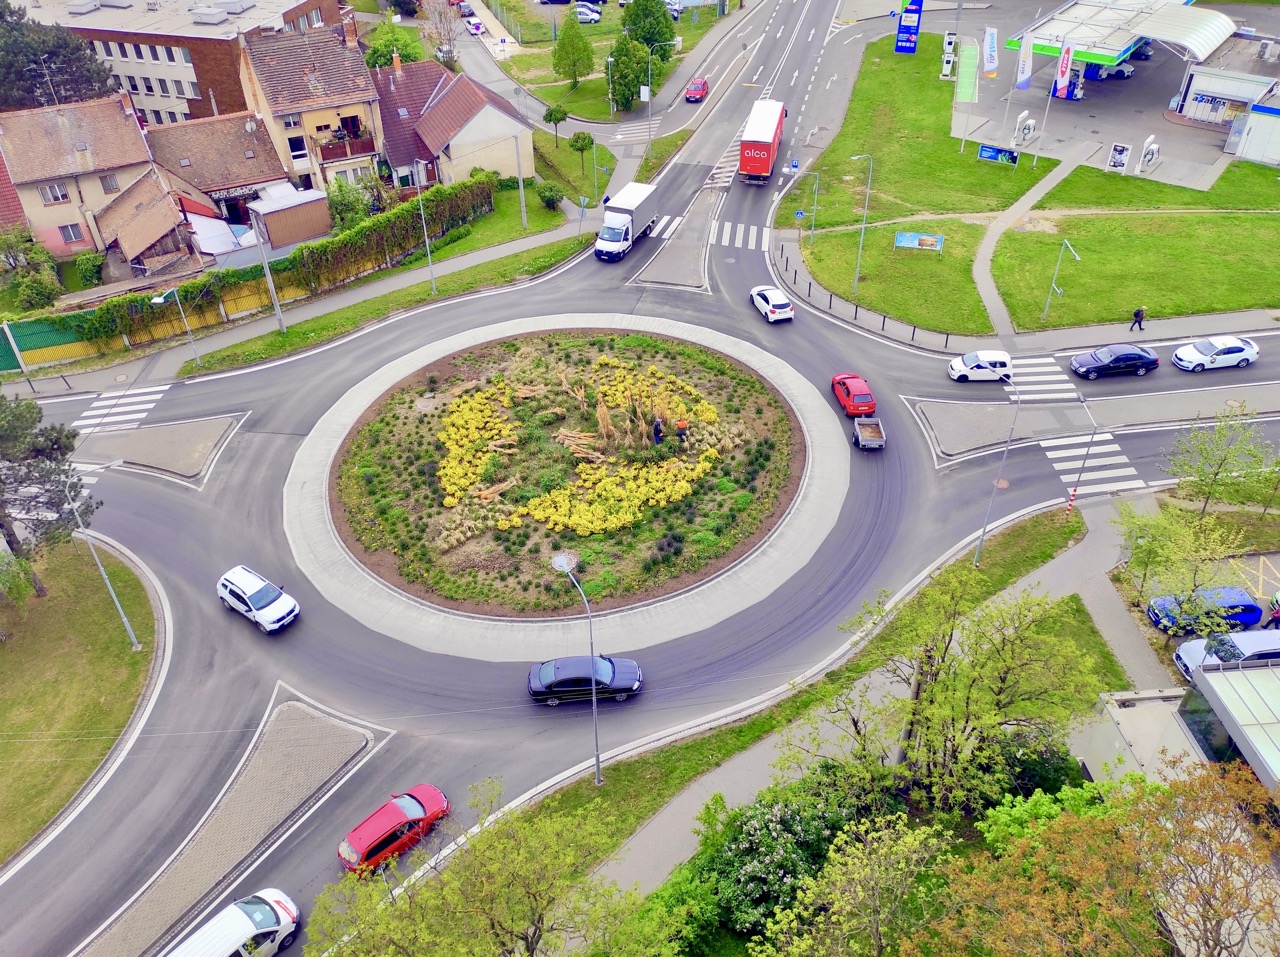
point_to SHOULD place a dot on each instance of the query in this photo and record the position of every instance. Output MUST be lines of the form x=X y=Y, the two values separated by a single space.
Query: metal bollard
x=946 y=342
x=811 y=288
x=795 y=277
x=913 y=333
x=830 y=299
x=855 y=312
x=883 y=320
x=31 y=384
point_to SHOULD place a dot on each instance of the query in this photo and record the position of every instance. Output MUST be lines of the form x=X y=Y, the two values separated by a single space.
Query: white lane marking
x=1077 y=440
x=1047 y=396
x=1034 y=361
x=675 y=224
x=764 y=238
x=657 y=230
x=135 y=392
x=1063 y=453
x=811 y=33
x=737 y=240
x=1105 y=473
x=1036 y=388
x=104 y=419
x=724 y=236
x=1110 y=487
x=1046 y=377
x=1091 y=462
x=751 y=238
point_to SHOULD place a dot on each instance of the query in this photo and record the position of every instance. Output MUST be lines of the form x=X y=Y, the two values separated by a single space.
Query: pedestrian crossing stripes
x=1091 y=464
x=117 y=411
x=667 y=226
x=734 y=234
x=635 y=131
x=1039 y=380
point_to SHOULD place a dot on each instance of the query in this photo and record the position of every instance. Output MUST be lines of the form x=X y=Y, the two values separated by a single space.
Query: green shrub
x=89 y=268
x=550 y=194
x=37 y=288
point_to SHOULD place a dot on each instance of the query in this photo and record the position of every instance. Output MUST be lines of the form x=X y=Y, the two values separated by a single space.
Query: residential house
x=404 y=91
x=216 y=166
x=317 y=101
x=67 y=161
x=465 y=125
x=179 y=61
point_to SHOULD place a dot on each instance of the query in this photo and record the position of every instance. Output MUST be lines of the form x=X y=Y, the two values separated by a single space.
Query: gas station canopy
x=1107 y=31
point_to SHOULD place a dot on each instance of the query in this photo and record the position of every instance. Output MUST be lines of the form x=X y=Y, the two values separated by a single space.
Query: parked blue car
x=1239 y=610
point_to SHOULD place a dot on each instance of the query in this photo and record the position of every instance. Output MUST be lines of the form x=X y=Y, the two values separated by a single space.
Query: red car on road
x=853 y=394
x=393 y=828
x=697 y=90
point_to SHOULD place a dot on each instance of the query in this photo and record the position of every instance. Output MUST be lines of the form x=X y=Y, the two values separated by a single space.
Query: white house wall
x=1261 y=140
x=489 y=141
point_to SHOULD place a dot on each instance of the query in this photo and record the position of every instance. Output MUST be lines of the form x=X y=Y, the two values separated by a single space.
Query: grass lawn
x=1076 y=624
x=1241 y=186
x=313 y=332
x=900 y=113
x=634 y=790
x=8 y=300
x=565 y=168
x=663 y=148
x=365 y=6
x=503 y=224
x=892 y=279
x=70 y=685
x=524 y=20
x=1135 y=260
x=69 y=276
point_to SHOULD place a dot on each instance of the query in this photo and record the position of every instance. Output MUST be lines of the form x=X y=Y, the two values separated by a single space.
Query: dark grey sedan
x=1118 y=359
x=570 y=679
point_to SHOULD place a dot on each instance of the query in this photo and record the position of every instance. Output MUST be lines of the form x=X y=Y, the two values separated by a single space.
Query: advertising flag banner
x=990 y=53
x=1024 y=63
x=908 y=27
x=1063 y=79
x=929 y=241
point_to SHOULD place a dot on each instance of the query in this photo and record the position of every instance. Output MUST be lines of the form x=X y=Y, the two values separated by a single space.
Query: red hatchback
x=393 y=828
x=697 y=90
x=853 y=394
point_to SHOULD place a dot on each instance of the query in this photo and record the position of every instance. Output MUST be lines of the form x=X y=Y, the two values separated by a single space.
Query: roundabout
x=325 y=560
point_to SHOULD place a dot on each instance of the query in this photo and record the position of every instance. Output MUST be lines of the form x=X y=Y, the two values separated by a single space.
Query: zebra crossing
x=1040 y=380
x=118 y=411
x=733 y=234
x=635 y=132
x=1091 y=464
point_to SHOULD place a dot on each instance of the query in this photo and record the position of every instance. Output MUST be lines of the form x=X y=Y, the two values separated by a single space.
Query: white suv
x=244 y=590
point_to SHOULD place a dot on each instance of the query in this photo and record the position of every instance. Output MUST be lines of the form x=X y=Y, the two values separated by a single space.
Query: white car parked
x=772 y=303
x=267 y=606
x=1216 y=352
x=989 y=364
x=587 y=15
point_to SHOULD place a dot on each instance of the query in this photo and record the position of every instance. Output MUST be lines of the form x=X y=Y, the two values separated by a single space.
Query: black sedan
x=570 y=679
x=1118 y=359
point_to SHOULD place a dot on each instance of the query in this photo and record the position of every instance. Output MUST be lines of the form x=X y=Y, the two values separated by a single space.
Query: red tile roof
x=90 y=137
x=401 y=99
x=139 y=216
x=218 y=152
x=308 y=70
x=11 y=213
x=456 y=106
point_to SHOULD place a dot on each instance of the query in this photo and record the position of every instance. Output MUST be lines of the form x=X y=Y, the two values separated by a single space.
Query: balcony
x=341 y=145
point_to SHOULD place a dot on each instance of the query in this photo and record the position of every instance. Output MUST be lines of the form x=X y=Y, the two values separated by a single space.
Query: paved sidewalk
x=669 y=838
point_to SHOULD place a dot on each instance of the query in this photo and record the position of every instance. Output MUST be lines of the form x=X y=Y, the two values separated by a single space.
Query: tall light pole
x=261 y=236
x=566 y=562
x=608 y=69
x=1053 y=283
x=866 y=206
x=1087 y=449
x=649 y=119
x=133 y=639
x=995 y=487
x=418 y=175
x=159 y=301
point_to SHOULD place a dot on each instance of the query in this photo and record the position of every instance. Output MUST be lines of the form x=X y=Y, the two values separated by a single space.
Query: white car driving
x=474 y=25
x=1216 y=352
x=988 y=364
x=266 y=605
x=772 y=303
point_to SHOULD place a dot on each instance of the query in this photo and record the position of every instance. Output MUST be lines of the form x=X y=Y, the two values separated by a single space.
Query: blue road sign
x=795 y=164
x=799 y=214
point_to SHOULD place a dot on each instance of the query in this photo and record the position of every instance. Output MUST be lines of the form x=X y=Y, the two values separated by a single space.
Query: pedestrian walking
x=1274 y=620
x=1139 y=315
x=657 y=431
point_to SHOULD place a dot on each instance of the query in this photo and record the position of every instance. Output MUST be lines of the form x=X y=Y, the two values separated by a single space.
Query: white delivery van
x=261 y=925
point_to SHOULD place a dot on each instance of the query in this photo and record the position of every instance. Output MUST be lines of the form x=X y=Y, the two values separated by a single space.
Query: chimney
x=395 y=61
x=349 y=33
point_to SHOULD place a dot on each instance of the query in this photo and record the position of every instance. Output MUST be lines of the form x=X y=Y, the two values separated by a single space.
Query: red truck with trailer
x=758 y=150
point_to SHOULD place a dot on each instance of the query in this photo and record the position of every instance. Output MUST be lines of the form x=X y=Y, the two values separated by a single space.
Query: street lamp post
x=261 y=236
x=1087 y=449
x=133 y=639
x=866 y=205
x=649 y=120
x=1053 y=283
x=159 y=301
x=977 y=555
x=418 y=174
x=608 y=69
x=566 y=562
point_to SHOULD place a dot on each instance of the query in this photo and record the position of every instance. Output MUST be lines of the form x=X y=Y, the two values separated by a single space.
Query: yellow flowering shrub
x=471 y=425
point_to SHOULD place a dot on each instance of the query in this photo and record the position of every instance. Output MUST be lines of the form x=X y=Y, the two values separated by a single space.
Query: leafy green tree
x=407 y=8
x=629 y=71
x=35 y=480
x=555 y=115
x=573 y=57
x=388 y=38
x=43 y=65
x=649 y=22
x=514 y=887
x=550 y=194
x=348 y=205
x=1018 y=817
x=875 y=888
x=444 y=27
x=580 y=142
x=15 y=582
x=1221 y=462
x=37 y=288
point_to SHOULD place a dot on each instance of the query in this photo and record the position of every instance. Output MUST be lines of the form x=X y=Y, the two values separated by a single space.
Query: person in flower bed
x=658 y=432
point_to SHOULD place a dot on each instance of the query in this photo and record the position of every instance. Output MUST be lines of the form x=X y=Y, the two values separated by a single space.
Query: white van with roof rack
x=261 y=925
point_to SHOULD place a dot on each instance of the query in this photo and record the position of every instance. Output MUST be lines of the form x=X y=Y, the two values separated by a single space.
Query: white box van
x=261 y=925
